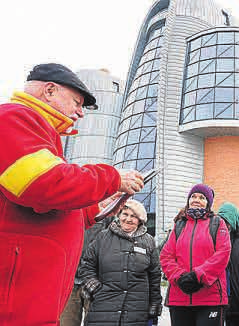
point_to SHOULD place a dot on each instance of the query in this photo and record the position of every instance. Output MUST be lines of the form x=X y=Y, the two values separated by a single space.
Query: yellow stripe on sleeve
x=20 y=175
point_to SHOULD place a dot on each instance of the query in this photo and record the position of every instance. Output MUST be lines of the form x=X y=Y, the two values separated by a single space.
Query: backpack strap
x=180 y=224
x=213 y=228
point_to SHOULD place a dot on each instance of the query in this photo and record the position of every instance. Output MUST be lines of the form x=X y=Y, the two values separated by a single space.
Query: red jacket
x=194 y=251
x=45 y=205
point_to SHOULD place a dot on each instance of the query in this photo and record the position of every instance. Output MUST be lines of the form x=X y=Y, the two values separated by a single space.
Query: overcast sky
x=78 y=33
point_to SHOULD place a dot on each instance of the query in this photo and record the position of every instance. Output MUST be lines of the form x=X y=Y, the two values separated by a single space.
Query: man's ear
x=49 y=90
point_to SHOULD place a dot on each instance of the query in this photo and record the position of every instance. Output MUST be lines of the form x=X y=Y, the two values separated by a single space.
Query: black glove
x=188 y=283
x=155 y=309
x=90 y=288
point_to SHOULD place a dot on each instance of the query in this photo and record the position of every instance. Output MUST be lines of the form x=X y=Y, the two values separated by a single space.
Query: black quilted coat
x=128 y=268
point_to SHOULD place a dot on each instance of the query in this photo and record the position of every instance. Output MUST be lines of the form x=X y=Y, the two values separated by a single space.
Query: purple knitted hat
x=205 y=190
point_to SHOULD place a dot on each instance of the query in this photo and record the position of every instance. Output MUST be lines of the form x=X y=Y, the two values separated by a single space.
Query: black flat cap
x=54 y=72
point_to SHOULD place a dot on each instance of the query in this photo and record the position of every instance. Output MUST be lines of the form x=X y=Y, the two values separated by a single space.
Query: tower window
x=116 y=87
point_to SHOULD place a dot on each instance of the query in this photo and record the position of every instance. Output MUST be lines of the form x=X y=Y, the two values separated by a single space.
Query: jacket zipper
x=191 y=253
x=17 y=251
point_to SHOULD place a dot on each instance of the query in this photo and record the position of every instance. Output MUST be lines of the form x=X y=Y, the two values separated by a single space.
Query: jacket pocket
x=8 y=274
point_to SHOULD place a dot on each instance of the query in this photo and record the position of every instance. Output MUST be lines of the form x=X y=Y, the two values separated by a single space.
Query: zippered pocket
x=8 y=273
x=219 y=289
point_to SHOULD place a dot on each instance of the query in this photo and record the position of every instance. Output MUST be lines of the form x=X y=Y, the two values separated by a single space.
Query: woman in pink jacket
x=194 y=264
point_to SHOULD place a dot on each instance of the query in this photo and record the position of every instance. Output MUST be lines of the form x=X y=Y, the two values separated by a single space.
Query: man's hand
x=131 y=181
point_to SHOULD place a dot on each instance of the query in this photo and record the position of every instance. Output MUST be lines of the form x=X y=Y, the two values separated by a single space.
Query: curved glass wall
x=211 y=81
x=135 y=145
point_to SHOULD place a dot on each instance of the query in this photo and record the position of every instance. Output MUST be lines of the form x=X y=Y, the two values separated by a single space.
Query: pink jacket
x=194 y=251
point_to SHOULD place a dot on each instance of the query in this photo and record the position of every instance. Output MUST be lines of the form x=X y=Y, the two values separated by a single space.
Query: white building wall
x=98 y=129
x=180 y=155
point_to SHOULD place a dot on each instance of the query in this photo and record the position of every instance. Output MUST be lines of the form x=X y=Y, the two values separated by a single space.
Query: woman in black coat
x=121 y=273
x=230 y=213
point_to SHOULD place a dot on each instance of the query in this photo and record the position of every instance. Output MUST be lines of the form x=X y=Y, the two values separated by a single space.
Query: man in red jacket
x=46 y=203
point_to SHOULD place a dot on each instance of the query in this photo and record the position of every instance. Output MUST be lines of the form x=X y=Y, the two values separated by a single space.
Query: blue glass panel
x=195 y=44
x=190 y=99
x=133 y=136
x=124 y=126
x=188 y=114
x=144 y=79
x=192 y=70
x=154 y=76
x=237 y=37
x=224 y=95
x=160 y=41
x=152 y=202
x=152 y=90
x=194 y=56
x=237 y=80
x=158 y=53
x=208 y=52
x=191 y=84
x=236 y=103
x=236 y=64
x=151 y=45
x=131 y=152
x=151 y=54
x=223 y=111
x=139 y=71
x=147 y=67
x=204 y=111
x=120 y=154
x=141 y=93
x=225 y=51
x=209 y=39
x=146 y=150
x=237 y=51
x=139 y=106
x=225 y=65
x=128 y=111
x=225 y=79
x=207 y=80
x=225 y=38
x=147 y=187
x=205 y=95
x=130 y=165
x=156 y=63
x=131 y=97
x=144 y=164
x=136 y=121
x=207 y=66
x=148 y=134
x=151 y=104
x=122 y=140
x=149 y=119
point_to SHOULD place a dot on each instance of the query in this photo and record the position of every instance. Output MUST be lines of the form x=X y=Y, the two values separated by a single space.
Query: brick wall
x=221 y=168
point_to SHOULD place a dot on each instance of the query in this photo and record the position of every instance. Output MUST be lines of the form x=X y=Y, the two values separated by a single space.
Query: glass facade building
x=211 y=82
x=160 y=97
x=136 y=140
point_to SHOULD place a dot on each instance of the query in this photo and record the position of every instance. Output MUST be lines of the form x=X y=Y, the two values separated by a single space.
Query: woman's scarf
x=197 y=213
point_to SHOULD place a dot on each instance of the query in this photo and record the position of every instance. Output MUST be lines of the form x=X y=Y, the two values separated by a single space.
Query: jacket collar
x=56 y=119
